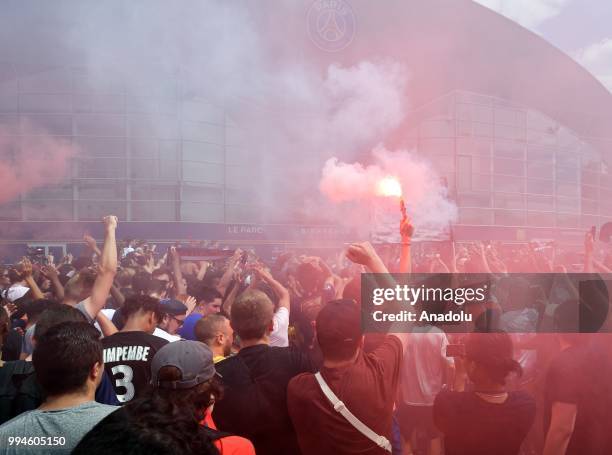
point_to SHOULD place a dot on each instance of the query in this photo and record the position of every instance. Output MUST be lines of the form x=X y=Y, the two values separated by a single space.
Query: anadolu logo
x=331 y=24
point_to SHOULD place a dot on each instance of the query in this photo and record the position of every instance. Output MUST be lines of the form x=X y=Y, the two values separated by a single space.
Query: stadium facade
x=517 y=128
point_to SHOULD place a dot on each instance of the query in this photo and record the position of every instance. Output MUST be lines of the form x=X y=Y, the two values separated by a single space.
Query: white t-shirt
x=165 y=335
x=280 y=332
x=424 y=364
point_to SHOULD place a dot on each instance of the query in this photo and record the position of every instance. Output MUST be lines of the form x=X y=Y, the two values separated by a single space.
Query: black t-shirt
x=581 y=375
x=127 y=359
x=473 y=426
x=254 y=403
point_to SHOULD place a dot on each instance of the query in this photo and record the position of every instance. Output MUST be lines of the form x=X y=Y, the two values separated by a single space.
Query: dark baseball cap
x=192 y=358
x=338 y=323
x=172 y=306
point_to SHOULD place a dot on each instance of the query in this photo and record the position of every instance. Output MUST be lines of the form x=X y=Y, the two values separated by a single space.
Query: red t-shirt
x=229 y=445
x=367 y=388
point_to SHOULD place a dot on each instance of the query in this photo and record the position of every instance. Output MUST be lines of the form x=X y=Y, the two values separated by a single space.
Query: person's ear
x=96 y=371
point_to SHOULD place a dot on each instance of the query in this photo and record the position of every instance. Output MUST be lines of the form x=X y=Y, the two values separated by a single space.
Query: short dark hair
x=55 y=314
x=142 y=282
x=493 y=351
x=207 y=294
x=143 y=303
x=252 y=314
x=36 y=307
x=206 y=328
x=64 y=356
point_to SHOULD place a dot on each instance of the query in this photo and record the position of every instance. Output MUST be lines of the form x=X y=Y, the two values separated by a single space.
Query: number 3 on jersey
x=125 y=381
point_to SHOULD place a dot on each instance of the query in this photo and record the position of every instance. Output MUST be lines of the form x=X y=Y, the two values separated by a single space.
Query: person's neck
x=327 y=363
x=218 y=351
x=133 y=325
x=254 y=342
x=69 y=400
x=489 y=387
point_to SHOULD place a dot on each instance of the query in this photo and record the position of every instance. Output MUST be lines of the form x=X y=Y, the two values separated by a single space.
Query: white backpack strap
x=339 y=406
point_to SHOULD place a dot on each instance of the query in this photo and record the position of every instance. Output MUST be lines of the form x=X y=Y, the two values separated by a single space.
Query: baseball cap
x=187 y=331
x=339 y=322
x=192 y=358
x=172 y=306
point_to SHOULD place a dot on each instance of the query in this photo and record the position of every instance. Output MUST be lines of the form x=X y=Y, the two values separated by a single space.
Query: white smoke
x=423 y=191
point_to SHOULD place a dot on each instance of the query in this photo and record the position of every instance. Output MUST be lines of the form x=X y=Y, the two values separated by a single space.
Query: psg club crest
x=331 y=24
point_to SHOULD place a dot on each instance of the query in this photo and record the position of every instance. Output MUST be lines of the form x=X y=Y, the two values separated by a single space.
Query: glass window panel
x=146 y=168
x=474 y=146
x=152 y=192
x=203 y=112
x=95 y=210
x=567 y=175
x=44 y=102
x=475 y=216
x=606 y=180
x=464 y=128
x=481 y=165
x=509 y=132
x=101 y=168
x=464 y=111
x=202 y=193
x=482 y=113
x=568 y=189
x=211 y=173
x=509 y=201
x=539 y=170
x=102 y=190
x=99 y=103
x=202 y=212
x=568 y=160
x=9 y=103
x=11 y=211
x=568 y=221
x=243 y=214
x=509 y=149
x=505 y=116
x=541 y=138
x=144 y=148
x=592 y=178
x=589 y=206
x=154 y=126
x=153 y=210
x=436 y=146
x=47 y=80
x=236 y=137
x=100 y=125
x=47 y=210
x=589 y=192
x=540 y=186
x=508 y=184
x=541 y=154
x=474 y=199
x=482 y=129
x=442 y=163
x=481 y=182
x=101 y=146
x=538 y=121
x=541 y=219
x=509 y=167
x=200 y=131
x=202 y=151
x=545 y=203
x=437 y=128
x=53 y=124
x=509 y=218
x=570 y=205
x=51 y=192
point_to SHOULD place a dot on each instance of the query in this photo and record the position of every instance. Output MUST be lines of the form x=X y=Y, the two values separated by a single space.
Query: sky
x=580 y=28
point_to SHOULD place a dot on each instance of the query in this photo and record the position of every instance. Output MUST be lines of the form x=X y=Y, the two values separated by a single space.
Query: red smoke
x=31 y=159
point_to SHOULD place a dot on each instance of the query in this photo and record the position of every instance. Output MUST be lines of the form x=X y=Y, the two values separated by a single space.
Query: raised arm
x=26 y=272
x=175 y=259
x=91 y=243
x=364 y=254
x=229 y=272
x=406 y=231
x=106 y=270
x=281 y=292
x=50 y=272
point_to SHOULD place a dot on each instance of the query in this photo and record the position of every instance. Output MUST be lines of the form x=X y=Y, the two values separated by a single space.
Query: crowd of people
x=127 y=350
